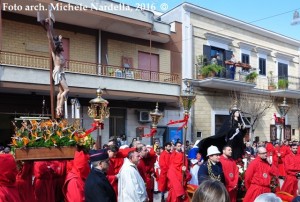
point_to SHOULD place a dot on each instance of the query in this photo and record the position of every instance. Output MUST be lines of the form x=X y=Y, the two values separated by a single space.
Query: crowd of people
x=142 y=172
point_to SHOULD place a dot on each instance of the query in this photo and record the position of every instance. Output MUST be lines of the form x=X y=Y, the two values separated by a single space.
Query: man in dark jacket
x=212 y=168
x=97 y=187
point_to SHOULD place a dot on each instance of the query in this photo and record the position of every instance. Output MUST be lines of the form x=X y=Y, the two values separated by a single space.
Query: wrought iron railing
x=261 y=82
x=42 y=62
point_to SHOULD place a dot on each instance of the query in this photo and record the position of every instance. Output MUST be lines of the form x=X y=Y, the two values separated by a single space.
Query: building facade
x=273 y=57
x=128 y=53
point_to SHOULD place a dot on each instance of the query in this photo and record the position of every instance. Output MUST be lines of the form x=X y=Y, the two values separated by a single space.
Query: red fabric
x=59 y=176
x=258 y=178
x=24 y=182
x=164 y=166
x=146 y=170
x=73 y=188
x=184 y=121
x=69 y=165
x=114 y=168
x=8 y=172
x=270 y=149
x=278 y=159
x=43 y=182
x=284 y=196
x=177 y=187
x=123 y=153
x=231 y=174
x=292 y=166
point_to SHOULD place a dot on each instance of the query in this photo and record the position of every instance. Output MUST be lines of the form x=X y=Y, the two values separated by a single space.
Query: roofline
x=235 y=22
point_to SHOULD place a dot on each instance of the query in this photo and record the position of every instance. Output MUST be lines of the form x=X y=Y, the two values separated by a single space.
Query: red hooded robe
x=231 y=174
x=59 y=175
x=176 y=190
x=164 y=166
x=146 y=170
x=115 y=165
x=258 y=178
x=292 y=167
x=73 y=188
x=8 y=172
x=43 y=182
x=24 y=182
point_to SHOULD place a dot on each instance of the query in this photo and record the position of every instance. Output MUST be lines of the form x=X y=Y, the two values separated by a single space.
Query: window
x=282 y=71
x=149 y=63
x=214 y=52
x=262 y=66
x=245 y=58
x=117 y=122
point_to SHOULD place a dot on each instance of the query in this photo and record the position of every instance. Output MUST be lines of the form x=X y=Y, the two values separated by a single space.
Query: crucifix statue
x=59 y=62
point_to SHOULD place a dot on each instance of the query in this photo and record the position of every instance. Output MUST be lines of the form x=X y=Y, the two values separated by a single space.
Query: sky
x=273 y=15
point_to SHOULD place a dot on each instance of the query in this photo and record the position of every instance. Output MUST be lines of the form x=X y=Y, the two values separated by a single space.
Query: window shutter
x=206 y=53
x=228 y=54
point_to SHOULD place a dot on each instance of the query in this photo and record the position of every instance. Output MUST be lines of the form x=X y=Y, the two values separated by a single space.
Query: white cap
x=212 y=150
x=124 y=146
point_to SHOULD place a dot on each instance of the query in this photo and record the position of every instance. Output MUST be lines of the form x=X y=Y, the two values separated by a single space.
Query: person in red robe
x=146 y=168
x=164 y=166
x=231 y=172
x=258 y=176
x=176 y=182
x=292 y=167
x=73 y=188
x=43 y=181
x=24 y=181
x=8 y=172
x=278 y=159
x=116 y=160
x=59 y=168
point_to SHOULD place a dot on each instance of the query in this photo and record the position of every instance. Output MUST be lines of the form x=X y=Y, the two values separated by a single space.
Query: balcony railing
x=263 y=82
x=238 y=75
x=41 y=62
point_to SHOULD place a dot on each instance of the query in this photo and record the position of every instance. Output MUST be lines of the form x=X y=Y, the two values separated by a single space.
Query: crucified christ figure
x=59 y=61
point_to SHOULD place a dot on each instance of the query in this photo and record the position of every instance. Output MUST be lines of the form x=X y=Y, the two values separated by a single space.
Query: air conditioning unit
x=144 y=116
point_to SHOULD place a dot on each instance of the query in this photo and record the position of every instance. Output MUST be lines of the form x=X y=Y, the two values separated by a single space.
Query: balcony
x=39 y=62
x=223 y=81
x=19 y=70
x=284 y=86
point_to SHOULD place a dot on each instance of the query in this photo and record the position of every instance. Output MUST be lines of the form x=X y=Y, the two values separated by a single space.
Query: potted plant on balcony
x=200 y=62
x=211 y=70
x=251 y=77
x=283 y=83
x=271 y=83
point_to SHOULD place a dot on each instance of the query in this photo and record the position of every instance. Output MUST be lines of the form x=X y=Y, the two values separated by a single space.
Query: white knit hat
x=212 y=150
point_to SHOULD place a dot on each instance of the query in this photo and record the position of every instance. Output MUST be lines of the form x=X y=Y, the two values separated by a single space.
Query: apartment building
x=125 y=51
x=273 y=57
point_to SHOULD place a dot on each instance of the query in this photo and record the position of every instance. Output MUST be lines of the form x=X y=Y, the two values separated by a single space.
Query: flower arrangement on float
x=34 y=134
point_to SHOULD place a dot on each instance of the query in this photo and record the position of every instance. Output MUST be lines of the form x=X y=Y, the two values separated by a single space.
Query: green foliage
x=251 y=77
x=200 y=62
x=211 y=69
x=47 y=133
x=271 y=80
x=283 y=83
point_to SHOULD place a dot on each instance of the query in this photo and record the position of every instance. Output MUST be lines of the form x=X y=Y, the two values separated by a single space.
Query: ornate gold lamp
x=156 y=116
x=283 y=110
x=99 y=111
x=187 y=99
